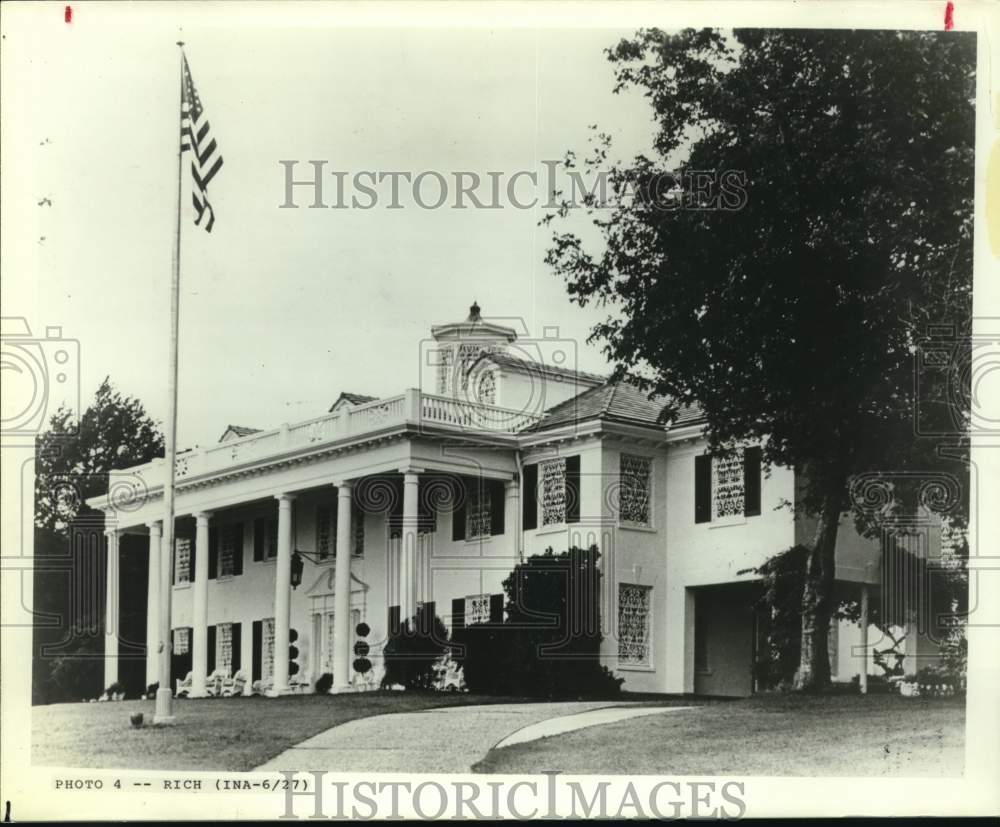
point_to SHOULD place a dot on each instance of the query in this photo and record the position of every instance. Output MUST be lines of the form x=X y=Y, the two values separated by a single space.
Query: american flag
x=196 y=135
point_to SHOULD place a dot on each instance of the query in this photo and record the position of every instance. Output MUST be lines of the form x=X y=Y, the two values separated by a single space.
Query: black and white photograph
x=487 y=411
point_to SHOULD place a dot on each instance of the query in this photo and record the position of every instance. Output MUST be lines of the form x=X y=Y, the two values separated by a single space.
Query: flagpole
x=164 y=694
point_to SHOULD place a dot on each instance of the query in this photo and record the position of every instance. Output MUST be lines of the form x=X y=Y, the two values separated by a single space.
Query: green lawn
x=210 y=734
x=852 y=735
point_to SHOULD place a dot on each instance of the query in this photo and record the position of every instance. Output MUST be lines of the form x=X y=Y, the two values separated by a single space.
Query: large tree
x=791 y=312
x=73 y=458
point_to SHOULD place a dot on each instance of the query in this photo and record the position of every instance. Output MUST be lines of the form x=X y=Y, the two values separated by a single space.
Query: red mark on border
x=949 y=16
x=68 y=14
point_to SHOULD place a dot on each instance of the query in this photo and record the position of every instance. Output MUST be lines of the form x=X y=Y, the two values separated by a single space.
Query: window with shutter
x=553 y=492
x=324 y=532
x=634 y=604
x=635 y=482
x=224 y=648
x=267 y=648
x=477 y=609
x=358 y=530
x=231 y=545
x=728 y=486
x=478 y=510
x=182 y=560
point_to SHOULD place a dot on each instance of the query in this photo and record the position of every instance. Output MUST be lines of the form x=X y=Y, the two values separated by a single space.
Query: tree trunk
x=817 y=598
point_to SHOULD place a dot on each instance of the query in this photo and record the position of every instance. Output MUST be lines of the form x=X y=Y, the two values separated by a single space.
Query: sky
x=281 y=309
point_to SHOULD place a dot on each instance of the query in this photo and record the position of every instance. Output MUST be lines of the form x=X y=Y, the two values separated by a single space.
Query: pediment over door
x=323 y=585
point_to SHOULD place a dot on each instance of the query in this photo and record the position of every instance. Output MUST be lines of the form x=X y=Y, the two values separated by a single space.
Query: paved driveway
x=436 y=740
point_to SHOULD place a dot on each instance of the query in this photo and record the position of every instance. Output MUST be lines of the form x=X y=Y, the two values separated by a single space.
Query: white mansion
x=291 y=541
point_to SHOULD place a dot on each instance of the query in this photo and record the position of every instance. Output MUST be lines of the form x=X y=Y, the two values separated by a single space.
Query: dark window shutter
x=257 y=650
x=259 y=537
x=461 y=496
x=393 y=619
x=573 y=489
x=211 y=650
x=703 y=488
x=496 y=608
x=427 y=614
x=751 y=481
x=192 y=561
x=238 y=549
x=457 y=614
x=529 y=501
x=498 y=506
x=173 y=565
x=213 y=553
x=237 y=647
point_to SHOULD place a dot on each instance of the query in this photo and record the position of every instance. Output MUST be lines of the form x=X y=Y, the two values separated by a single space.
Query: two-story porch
x=419 y=490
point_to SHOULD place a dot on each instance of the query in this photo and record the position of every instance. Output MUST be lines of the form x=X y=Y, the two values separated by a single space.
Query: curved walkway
x=450 y=739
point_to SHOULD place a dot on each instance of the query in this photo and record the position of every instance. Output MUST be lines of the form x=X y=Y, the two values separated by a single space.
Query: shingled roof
x=620 y=401
x=238 y=431
x=353 y=399
x=531 y=366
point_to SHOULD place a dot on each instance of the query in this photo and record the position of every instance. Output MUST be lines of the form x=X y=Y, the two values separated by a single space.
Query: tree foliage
x=795 y=319
x=74 y=456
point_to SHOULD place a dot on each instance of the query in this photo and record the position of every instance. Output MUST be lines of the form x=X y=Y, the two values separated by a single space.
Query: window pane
x=227 y=550
x=182 y=560
x=635 y=484
x=477 y=609
x=224 y=648
x=478 y=511
x=267 y=667
x=633 y=624
x=553 y=491
x=727 y=485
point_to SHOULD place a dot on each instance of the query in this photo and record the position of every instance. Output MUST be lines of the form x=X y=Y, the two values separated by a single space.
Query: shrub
x=78 y=673
x=549 y=644
x=323 y=683
x=411 y=651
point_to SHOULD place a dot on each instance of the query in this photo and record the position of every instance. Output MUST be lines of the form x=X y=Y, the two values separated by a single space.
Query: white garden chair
x=214 y=683
x=184 y=686
x=234 y=685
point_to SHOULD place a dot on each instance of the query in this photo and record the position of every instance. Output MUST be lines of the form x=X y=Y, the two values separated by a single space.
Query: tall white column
x=408 y=545
x=153 y=602
x=342 y=590
x=111 y=611
x=282 y=594
x=199 y=620
x=863 y=620
x=512 y=515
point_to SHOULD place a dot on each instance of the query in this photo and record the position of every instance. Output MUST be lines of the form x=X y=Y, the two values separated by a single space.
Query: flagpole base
x=164 y=713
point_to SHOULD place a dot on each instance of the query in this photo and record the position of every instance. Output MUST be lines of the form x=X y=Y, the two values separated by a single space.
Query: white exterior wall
x=700 y=554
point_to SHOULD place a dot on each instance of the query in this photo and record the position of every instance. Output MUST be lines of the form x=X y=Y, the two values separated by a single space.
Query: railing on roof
x=413 y=408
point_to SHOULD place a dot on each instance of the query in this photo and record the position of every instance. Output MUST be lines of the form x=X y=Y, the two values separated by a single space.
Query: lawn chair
x=213 y=685
x=183 y=687
x=234 y=685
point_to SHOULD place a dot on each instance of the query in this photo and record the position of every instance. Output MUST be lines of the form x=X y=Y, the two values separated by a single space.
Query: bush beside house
x=548 y=643
x=413 y=650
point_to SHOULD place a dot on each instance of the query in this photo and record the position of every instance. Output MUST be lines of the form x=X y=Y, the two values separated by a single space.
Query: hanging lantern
x=297 y=566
